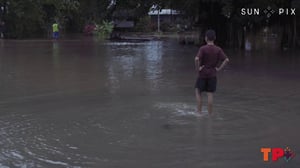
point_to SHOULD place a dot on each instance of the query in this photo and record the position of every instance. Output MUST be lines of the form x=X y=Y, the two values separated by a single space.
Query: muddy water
x=81 y=103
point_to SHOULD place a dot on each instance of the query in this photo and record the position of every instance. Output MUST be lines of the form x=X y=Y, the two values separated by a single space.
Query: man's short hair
x=210 y=35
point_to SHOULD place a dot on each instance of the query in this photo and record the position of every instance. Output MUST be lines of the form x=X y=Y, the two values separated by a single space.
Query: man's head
x=210 y=35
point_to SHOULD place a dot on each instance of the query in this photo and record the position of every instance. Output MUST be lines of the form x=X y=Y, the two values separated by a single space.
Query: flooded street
x=85 y=104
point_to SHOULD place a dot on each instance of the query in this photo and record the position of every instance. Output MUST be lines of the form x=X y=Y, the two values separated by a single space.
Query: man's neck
x=210 y=43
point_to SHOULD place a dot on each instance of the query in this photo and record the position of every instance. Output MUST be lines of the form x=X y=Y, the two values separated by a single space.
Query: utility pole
x=158 y=19
x=157 y=8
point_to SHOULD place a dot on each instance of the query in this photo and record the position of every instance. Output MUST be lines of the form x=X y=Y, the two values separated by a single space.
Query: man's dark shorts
x=206 y=84
x=55 y=35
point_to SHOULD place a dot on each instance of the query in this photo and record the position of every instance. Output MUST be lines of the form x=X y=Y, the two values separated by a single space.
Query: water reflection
x=55 y=53
x=154 y=62
x=129 y=61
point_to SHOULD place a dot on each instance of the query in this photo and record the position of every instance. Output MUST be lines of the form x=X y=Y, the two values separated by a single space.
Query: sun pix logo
x=276 y=153
x=269 y=11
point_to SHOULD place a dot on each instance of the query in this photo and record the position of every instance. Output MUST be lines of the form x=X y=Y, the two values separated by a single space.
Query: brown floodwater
x=82 y=103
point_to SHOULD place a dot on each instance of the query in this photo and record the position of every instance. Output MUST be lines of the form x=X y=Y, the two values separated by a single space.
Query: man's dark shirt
x=210 y=56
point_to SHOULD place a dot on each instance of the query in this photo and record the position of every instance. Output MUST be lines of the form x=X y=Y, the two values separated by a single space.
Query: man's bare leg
x=210 y=102
x=199 y=101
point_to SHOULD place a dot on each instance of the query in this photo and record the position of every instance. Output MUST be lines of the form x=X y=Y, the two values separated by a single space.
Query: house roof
x=164 y=12
x=124 y=24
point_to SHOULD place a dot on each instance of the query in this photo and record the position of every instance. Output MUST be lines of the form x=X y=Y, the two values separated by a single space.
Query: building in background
x=165 y=15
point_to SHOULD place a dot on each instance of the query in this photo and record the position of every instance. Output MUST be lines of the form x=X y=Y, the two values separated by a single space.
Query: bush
x=105 y=29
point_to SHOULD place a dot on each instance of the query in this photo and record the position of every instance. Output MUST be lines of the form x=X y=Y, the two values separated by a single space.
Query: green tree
x=23 y=18
x=32 y=18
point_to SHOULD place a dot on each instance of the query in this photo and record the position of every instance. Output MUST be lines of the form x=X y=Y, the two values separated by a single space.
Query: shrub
x=105 y=29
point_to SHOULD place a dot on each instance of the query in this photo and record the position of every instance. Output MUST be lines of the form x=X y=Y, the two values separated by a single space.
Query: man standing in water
x=209 y=60
x=55 y=30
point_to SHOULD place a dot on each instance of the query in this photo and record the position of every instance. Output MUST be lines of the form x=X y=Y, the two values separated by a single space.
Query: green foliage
x=32 y=18
x=94 y=10
x=104 y=29
x=23 y=18
x=67 y=8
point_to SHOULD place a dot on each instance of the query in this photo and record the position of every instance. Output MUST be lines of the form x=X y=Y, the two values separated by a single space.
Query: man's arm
x=222 y=65
x=197 y=63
